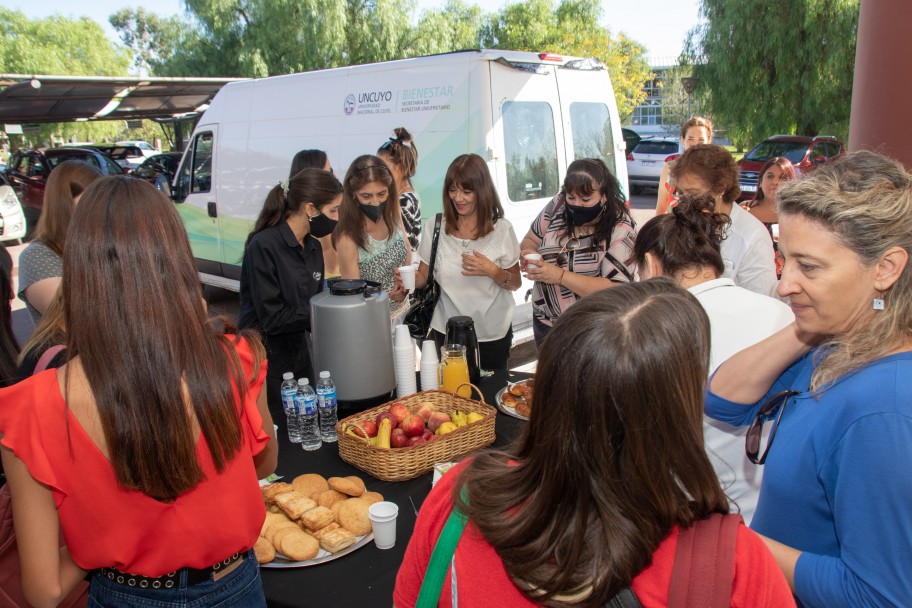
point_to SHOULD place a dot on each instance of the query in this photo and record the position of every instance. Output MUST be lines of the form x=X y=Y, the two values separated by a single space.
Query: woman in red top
x=591 y=497
x=145 y=448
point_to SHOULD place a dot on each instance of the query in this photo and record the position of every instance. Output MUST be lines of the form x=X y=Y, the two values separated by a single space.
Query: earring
x=878 y=303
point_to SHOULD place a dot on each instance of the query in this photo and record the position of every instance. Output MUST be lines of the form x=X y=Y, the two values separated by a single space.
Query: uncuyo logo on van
x=349 y=105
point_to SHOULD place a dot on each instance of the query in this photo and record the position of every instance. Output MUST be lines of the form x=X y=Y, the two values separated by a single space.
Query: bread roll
x=352 y=486
x=299 y=546
x=309 y=484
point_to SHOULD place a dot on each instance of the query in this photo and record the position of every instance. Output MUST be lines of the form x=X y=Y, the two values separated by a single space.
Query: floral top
x=377 y=262
x=606 y=260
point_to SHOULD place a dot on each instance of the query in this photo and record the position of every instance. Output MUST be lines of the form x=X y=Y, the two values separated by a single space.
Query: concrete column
x=881 y=118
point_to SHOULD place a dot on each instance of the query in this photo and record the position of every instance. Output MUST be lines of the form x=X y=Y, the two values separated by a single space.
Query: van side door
x=194 y=191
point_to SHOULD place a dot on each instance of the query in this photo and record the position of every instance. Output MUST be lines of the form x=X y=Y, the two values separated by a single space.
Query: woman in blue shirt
x=834 y=504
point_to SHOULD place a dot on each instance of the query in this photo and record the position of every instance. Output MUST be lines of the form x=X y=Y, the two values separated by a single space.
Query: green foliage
x=777 y=67
x=457 y=26
x=57 y=45
x=674 y=98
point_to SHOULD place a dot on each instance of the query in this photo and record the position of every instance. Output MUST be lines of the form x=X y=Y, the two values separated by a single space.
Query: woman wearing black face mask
x=283 y=268
x=321 y=226
x=584 y=237
x=370 y=238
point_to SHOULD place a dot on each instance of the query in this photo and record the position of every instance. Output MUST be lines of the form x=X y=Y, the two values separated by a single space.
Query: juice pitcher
x=453 y=370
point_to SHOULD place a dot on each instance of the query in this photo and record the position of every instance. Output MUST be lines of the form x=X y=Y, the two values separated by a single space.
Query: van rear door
x=591 y=124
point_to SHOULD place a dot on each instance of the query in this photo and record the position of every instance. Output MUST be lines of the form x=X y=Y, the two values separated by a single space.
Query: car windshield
x=792 y=150
x=656 y=147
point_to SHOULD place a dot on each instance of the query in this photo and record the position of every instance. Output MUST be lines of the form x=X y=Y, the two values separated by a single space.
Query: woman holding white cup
x=477 y=265
x=580 y=243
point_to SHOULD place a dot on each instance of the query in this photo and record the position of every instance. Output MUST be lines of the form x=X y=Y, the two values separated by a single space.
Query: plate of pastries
x=313 y=520
x=515 y=399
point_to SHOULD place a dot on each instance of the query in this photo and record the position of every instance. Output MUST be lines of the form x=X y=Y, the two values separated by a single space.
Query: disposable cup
x=402 y=338
x=532 y=257
x=407 y=274
x=383 y=520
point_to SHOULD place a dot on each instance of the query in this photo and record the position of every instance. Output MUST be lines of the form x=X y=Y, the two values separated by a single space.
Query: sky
x=659 y=25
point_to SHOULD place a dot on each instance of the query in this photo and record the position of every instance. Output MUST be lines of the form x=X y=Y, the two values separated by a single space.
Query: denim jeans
x=242 y=588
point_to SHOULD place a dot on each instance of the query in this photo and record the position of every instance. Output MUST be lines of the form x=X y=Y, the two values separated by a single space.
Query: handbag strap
x=443 y=549
x=704 y=564
x=436 y=239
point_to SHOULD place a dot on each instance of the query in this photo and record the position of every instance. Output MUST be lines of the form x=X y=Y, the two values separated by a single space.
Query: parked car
x=12 y=218
x=645 y=161
x=128 y=157
x=28 y=171
x=806 y=153
x=147 y=148
x=159 y=170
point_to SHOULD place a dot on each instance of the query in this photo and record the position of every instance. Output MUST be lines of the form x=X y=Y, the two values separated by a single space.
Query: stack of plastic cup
x=404 y=362
x=429 y=362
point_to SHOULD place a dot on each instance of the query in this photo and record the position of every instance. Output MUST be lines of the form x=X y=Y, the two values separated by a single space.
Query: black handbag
x=421 y=311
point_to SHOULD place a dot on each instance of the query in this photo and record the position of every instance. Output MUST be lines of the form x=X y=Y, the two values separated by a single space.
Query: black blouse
x=278 y=278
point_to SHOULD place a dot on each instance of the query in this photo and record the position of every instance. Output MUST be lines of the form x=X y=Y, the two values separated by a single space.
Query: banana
x=459 y=418
x=351 y=431
x=383 y=434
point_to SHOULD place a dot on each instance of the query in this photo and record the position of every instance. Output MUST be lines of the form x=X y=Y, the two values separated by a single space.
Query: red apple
x=436 y=419
x=398 y=411
x=428 y=435
x=415 y=441
x=368 y=427
x=425 y=409
x=413 y=425
x=398 y=439
x=387 y=416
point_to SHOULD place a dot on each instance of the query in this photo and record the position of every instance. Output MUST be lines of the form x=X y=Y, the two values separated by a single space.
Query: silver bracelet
x=505 y=284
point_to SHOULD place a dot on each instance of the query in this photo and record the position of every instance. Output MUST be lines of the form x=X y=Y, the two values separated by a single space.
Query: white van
x=530 y=115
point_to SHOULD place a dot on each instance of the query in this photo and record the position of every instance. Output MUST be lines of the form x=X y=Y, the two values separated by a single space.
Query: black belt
x=172 y=580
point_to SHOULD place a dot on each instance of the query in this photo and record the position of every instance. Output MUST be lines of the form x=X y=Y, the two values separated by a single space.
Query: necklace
x=462 y=231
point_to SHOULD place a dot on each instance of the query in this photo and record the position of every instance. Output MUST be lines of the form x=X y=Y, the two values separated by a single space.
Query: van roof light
x=550 y=57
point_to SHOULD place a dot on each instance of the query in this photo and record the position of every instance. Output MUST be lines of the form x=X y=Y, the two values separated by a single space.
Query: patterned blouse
x=411 y=217
x=378 y=261
x=579 y=255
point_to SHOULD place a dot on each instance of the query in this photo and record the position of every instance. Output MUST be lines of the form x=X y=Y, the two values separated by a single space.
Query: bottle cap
x=324 y=374
x=303 y=381
x=288 y=376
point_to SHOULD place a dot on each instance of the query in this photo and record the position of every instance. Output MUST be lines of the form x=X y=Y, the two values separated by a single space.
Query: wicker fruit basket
x=400 y=464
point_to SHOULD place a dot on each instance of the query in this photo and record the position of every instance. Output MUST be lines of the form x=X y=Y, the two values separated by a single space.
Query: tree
x=457 y=26
x=572 y=28
x=777 y=67
x=57 y=45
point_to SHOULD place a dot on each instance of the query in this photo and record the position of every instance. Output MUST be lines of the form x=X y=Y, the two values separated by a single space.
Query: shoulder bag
x=421 y=311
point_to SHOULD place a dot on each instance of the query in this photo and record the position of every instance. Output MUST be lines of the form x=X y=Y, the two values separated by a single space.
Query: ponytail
x=689 y=237
x=402 y=152
x=275 y=211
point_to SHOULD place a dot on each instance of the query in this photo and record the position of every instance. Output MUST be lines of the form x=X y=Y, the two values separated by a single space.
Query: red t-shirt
x=105 y=525
x=483 y=581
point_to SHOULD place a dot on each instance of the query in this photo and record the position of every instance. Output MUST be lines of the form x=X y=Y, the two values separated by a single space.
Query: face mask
x=321 y=226
x=373 y=212
x=583 y=215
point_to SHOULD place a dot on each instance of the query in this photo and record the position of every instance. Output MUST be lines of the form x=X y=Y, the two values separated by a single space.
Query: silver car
x=645 y=162
x=12 y=219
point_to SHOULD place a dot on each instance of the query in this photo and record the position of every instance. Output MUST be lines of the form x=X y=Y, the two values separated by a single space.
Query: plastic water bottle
x=326 y=393
x=289 y=390
x=306 y=404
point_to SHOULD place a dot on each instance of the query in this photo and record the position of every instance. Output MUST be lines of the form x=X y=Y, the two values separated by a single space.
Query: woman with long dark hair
x=283 y=269
x=370 y=237
x=41 y=263
x=477 y=265
x=593 y=496
x=144 y=449
x=585 y=236
x=321 y=226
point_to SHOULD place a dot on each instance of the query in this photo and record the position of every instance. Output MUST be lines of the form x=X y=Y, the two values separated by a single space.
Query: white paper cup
x=532 y=257
x=402 y=338
x=383 y=520
x=407 y=274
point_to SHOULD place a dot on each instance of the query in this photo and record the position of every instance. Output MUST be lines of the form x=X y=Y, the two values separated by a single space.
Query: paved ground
x=226 y=302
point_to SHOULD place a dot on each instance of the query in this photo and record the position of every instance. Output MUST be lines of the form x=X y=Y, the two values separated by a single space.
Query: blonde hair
x=865 y=200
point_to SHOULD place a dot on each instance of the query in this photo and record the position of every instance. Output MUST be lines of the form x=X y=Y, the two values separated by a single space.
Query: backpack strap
x=440 y=560
x=704 y=564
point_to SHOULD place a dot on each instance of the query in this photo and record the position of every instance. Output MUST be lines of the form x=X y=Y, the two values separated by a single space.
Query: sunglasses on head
x=755 y=432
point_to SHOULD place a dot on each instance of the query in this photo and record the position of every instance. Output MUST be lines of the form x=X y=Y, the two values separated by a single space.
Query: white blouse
x=490 y=305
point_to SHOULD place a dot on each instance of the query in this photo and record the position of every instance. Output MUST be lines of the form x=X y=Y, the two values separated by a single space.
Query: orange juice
x=455 y=371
